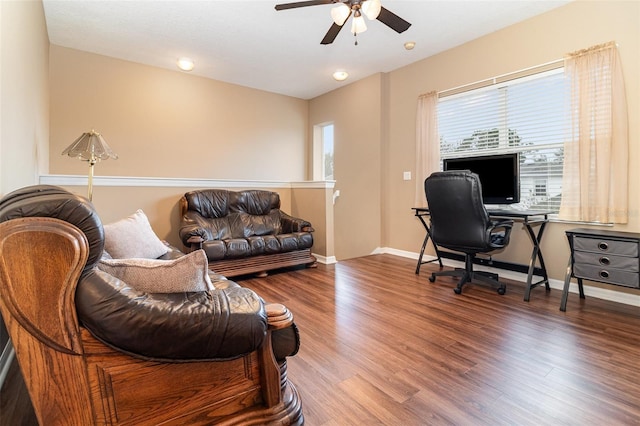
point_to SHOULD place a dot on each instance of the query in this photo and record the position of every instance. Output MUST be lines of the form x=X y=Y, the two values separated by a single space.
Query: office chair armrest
x=500 y=230
x=501 y=223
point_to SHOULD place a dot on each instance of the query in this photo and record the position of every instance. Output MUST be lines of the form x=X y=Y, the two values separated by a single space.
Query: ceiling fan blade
x=393 y=21
x=294 y=5
x=331 y=34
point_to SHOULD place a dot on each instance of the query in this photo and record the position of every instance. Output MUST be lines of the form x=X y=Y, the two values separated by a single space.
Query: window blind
x=527 y=115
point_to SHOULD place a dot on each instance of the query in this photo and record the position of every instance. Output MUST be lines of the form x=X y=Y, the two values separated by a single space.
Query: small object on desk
x=609 y=257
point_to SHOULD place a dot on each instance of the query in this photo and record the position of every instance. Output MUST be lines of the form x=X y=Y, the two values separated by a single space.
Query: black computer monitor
x=499 y=175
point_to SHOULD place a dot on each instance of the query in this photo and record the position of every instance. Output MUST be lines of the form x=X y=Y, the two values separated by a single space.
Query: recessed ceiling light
x=340 y=75
x=185 y=64
x=410 y=45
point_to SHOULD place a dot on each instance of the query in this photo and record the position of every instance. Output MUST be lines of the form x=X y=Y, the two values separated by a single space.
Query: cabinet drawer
x=602 y=245
x=606 y=275
x=607 y=261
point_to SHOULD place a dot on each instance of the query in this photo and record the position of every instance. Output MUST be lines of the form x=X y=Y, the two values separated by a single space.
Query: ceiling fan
x=372 y=9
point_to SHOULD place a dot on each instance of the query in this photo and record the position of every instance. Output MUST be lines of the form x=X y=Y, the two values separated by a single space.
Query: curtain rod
x=558 y=63
x=502 y=77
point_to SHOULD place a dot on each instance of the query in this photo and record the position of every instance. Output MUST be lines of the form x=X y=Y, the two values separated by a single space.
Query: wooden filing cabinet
x=609 y=257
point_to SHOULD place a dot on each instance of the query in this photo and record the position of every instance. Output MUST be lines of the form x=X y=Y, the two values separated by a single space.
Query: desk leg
x=424 y=245
x=532 y=262
x=565 y=289
x=580 y=288
x=435 y=248
x=536 y=253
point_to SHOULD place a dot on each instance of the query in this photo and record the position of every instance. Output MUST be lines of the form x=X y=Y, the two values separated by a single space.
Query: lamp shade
x=358 y=25
x=371 y=8
x=90 y=146
x=340 y=13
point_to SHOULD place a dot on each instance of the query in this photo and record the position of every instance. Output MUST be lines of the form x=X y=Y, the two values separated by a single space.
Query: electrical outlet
x=406 y=176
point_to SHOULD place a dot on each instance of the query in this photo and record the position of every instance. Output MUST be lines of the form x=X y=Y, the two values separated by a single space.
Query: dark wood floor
x=382 y=346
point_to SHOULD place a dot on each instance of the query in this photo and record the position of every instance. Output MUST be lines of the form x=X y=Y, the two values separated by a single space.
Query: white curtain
x=427 y=143
x=596 y=153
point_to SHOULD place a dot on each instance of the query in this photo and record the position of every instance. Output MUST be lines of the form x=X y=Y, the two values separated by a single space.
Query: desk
x=529 y=219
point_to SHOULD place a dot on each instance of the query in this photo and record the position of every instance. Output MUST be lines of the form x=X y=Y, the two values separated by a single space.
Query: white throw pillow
x=133 y=237
x=186 y=273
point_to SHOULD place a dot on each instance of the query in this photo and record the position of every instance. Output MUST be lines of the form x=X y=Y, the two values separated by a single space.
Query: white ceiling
x=251 y=44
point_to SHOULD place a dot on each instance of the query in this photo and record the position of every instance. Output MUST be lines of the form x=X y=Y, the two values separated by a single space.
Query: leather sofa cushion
x=216 y=203
x=221 y=324
x=256 y=245
x=238 y=225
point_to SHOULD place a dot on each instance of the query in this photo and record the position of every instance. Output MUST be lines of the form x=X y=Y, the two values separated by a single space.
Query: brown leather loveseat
x=95 y=350
x=244 y=232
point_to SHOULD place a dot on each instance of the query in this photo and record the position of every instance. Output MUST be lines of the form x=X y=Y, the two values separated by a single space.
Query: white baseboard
x=325 y=260
x=590 y=291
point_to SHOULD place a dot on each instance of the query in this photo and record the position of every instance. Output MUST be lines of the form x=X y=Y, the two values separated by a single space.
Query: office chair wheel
x=457 y=290
x=502 y=290
x=432 y=278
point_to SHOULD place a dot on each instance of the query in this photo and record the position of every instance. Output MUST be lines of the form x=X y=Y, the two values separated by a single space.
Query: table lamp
x=90 y=147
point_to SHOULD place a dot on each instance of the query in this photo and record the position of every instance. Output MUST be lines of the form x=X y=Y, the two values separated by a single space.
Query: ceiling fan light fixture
x=339 y=14
x=371 y=8
x=358 y=25
x=340 y=75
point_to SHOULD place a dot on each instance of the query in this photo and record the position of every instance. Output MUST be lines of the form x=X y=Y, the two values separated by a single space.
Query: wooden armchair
x=86 y=342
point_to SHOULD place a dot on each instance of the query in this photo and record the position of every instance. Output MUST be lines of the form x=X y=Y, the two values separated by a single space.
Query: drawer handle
x=604 y=260
x=603 y=246
x=603 y=274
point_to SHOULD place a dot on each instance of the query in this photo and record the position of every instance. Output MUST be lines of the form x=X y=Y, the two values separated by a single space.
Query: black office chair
x=460 y=222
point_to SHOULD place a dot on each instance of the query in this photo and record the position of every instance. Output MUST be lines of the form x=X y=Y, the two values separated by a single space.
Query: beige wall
x=24 y=106
x=315 y=205
x=172 y=124
x=538 y=40
x=356 y=112
x=24 y=94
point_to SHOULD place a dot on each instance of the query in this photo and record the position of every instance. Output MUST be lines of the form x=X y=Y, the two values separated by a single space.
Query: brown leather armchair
x=93 y=350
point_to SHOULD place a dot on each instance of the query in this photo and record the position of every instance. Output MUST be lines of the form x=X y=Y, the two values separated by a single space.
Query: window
x=526 y=115
x=541 y=188
x=323 y=152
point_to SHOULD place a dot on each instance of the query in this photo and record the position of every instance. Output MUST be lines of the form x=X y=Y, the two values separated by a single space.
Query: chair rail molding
x=79 y=180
